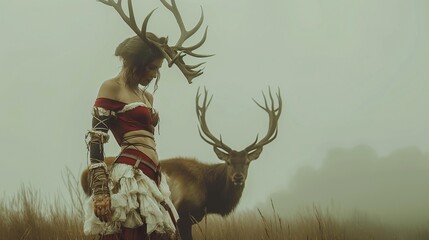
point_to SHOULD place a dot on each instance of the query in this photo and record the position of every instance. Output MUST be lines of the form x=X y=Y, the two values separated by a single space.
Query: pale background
x=350 y=73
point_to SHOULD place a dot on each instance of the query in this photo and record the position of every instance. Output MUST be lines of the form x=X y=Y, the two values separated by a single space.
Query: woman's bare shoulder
x=109 y=89
x=148 y=96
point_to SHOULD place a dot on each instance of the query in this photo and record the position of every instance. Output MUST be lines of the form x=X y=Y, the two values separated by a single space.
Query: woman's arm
x=97 y=136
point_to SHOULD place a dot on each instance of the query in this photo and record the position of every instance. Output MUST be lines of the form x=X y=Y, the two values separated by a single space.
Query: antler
x=274 y=115
x=175 y=54
x=185 y=34
x=130 y=20
x=201 y=115
x=181 y=51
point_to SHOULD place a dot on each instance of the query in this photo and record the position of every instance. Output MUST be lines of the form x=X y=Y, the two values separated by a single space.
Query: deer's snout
x=238 y=179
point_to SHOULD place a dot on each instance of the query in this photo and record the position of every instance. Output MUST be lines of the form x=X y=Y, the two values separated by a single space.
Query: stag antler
x=201 y=115
x=273 y=115
x=173 y=54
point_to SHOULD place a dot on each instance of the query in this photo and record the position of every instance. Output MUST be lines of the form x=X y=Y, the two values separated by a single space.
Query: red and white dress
x=138 y=195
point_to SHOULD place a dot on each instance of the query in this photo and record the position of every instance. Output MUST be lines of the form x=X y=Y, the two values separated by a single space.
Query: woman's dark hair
x=136 y=54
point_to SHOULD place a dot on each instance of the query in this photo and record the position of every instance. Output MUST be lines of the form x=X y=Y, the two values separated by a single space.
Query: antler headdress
x=173 y=54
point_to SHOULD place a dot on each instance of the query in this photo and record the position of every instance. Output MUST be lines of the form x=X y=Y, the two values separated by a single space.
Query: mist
x=390 y=188
x=350 y=72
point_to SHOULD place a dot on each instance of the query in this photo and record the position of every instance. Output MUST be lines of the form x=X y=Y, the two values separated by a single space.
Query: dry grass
x=26 y=216
x=29 y=216
x=314 y=225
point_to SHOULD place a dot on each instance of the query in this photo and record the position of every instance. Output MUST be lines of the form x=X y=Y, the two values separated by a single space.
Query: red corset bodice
x=129 y=117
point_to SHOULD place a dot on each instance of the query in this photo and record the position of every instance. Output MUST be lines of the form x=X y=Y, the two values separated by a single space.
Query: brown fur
x=199 y=189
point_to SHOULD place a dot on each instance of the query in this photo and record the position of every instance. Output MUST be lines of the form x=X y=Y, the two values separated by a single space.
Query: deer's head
x=238 y=161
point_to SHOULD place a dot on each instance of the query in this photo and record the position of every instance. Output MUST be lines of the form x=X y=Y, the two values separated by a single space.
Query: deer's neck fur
x=223 y=195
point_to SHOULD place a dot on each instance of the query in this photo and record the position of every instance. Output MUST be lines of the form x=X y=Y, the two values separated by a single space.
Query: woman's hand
x=100 y=188
x=102 y=207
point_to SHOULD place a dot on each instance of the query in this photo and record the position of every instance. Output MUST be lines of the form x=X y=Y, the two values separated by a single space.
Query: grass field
x=28 y=216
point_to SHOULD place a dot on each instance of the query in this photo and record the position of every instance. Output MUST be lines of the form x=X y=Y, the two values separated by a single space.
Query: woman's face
x=150 y=71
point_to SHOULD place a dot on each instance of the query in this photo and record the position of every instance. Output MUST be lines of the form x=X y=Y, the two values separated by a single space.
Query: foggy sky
x=350 y=73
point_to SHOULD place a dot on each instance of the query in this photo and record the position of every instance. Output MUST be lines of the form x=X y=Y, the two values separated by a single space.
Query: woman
x=132 y=200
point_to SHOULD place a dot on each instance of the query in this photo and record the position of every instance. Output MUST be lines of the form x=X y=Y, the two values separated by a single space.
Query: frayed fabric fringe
x=136 y=200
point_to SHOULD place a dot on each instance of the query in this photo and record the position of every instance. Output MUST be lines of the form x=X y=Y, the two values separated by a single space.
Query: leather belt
x=148 y=168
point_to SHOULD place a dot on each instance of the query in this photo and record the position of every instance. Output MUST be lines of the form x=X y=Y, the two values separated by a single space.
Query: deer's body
x=199 y=188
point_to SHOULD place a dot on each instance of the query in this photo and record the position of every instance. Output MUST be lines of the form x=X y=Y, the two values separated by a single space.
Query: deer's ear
x=224 y=156
x=254 y=154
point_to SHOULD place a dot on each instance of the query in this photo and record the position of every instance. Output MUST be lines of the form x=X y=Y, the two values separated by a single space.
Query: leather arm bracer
x=95 y=138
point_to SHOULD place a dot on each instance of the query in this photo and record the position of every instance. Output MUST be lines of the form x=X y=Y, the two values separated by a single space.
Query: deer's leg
x=185 y=228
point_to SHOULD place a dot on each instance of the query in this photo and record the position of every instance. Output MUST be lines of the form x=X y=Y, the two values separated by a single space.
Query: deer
x=197 y=188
